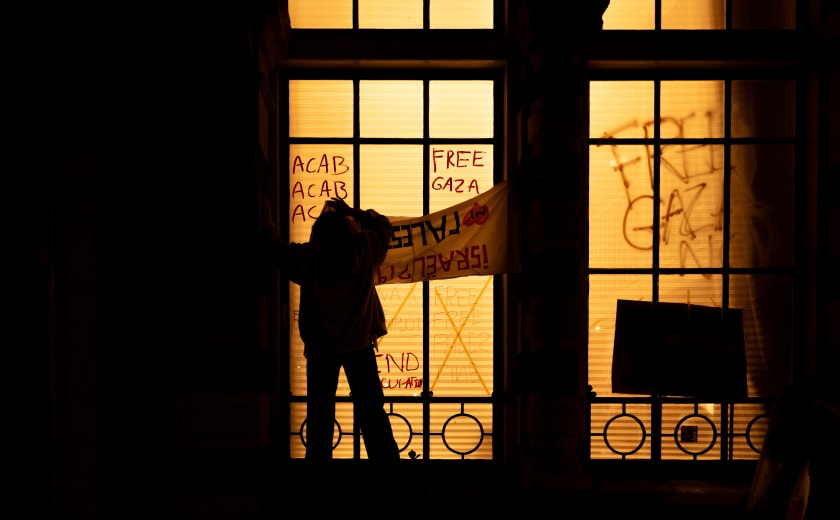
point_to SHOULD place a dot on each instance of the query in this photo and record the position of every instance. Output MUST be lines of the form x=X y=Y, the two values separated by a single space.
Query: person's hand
x=340 y=206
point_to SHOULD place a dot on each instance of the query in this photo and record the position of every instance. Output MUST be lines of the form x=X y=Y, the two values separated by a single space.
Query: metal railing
x=676 y=428
x=459 y=434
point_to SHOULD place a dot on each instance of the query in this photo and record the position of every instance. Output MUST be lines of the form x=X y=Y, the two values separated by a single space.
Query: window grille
x=397 y=143
x=693 y=198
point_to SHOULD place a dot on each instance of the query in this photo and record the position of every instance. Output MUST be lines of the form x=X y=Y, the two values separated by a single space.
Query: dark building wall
x=824 y=359
x=828 y=337
x=130 y=218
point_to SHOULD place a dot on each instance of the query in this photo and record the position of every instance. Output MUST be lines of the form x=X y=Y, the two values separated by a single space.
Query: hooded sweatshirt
x=340 y=310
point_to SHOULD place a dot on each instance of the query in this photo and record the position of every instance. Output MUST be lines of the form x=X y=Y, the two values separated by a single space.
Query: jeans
x=362 y=374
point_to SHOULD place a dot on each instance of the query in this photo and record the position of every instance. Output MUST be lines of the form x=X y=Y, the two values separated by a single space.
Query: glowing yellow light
x=390 y=178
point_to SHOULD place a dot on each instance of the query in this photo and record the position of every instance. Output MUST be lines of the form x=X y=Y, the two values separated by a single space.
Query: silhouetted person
x=340 y=320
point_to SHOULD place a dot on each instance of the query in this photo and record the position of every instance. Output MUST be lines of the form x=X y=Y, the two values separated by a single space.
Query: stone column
x=552 y=39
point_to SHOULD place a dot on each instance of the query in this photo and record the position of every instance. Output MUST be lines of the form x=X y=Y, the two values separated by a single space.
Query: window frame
x=712 y=55
x=402 y=70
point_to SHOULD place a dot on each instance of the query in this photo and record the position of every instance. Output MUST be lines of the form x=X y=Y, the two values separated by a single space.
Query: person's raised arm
x=378 y=229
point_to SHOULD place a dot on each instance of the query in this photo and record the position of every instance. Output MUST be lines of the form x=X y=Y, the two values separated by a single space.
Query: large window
x=692 y=204
x=420 y=141
x=410 y=145
x=413 y=142
x=694 y=180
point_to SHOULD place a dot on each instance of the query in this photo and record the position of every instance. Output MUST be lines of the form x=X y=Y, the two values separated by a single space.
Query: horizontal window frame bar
x=677 y=400
x=444 y=45
x=405 y=71
x=785 y=47
x=791 y=271
x=600 y=141
x=413 y=399
x=391 y=140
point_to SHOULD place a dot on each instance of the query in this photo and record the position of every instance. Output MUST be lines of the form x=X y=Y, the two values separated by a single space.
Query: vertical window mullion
x=357 y=444
x=727 y=418
x=656 y=405
x=657 y=196
x=426 y=147
x=657 y=15
x=357 y=124
x=727 y=188
x=427 y=394
x=728 y=20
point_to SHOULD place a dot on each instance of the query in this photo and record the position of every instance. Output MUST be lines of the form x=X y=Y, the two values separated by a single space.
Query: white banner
x=475 y=237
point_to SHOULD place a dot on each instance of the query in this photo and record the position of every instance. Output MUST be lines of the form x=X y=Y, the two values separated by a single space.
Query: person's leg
x=321 y=384
x=369 y=401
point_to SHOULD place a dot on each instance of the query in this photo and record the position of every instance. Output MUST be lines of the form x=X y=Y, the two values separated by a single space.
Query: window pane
x=388 y=14
x=461 y=14
x=391 y=179
x=461 y=432
x=693 y=14
x=763 y=14
x=704 y=443
x=767 y=302
x=461 y=336
x=762 y=213
x=629 y=14
x=401 y=360
x=342 y=434
x=297 y=362
x=691 y=210
x=618 y=432
x=702 y=357
x=391 y=109
x=459 y=172
x=461 y=109
x=604 y=292
x=741 y=421
x=620 y=207
x=317 y=172
x=695 y=289
x=297 y=414
x=763 y=108
x=461 y=314
x=676 y=14
x=320 y=108
x=407 y=425
x=620 y=109
x=321 y=14
x=691 y=109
